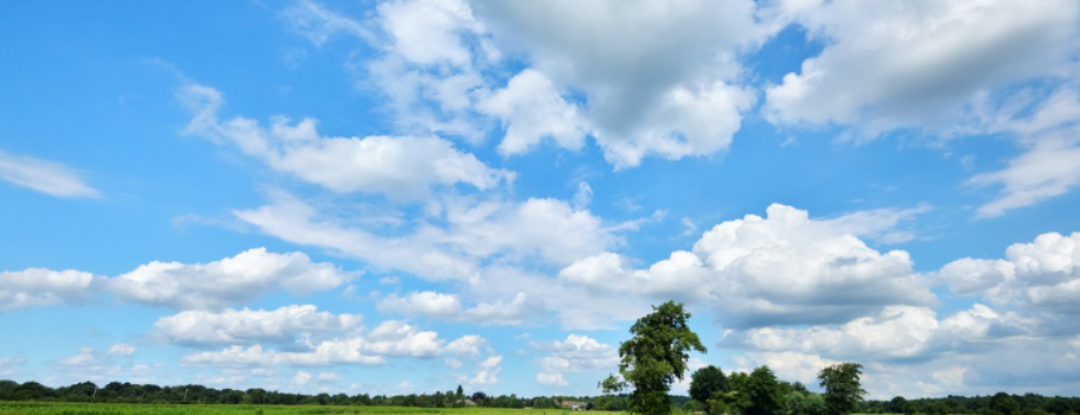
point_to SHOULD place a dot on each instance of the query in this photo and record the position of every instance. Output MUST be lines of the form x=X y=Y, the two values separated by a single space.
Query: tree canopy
x=706 y=382
x=655 y=357
x=843 y=390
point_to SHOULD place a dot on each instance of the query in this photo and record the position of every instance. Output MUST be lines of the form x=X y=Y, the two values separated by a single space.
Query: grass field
x=47 y=408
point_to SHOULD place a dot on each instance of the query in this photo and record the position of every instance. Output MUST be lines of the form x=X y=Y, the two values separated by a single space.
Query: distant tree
x=897 y=405
x=843 y=391
x=762 y=393
x=717 y=406
x=794 y=404
x=1059 y=406
x=707 y=381
x=1004 y=403
x=479 y=397
x=938 y=408
x=655 y=358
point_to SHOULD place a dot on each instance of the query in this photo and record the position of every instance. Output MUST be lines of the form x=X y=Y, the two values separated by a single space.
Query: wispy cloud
x=45 y=176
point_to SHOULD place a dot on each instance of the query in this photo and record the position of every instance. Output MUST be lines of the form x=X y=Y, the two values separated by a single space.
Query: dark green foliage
x=763 y=393
x=655 y=357
x=843 y=391
x=1005 y=404
x=897 y=405
x=707 y=381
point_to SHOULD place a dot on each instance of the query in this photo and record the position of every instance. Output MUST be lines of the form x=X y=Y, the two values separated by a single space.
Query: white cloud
x=9 y=366
x=1050 y=164
x=551 y=379
x=226 y=282
x=488 y=371
x=320 y=25
x=301 y=378
x=897 y=332
x=583 y=196
x=328 y=377
x=665 y=89
x=231 y=327
x=466 y=345
x=85 y=357
x=36 y=287
x=44 y=176
x=326 y=353
x=404 y=167
x=575 y=354
x=431 y=66
x=531 y=108
x=454 y=363
x=1043 y=275
x=918 y=63
x=953 y=377
x=449 y=307
x=427 y=32
x=782 y=269
x=122 y=350
x=467 y=232
x=392 y=338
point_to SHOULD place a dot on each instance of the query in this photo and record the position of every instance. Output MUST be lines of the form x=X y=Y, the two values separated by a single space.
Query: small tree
x=843 y=392
x=654 y=358
x=707 y=381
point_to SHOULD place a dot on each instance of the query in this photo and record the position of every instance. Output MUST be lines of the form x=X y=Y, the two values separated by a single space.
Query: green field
x=50 y=408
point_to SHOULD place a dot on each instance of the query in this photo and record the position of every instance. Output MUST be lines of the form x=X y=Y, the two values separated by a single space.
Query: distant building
x=573 y=405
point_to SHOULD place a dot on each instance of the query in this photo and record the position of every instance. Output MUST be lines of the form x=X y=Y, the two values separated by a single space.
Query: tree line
x=117 y=392
x=1000 y=403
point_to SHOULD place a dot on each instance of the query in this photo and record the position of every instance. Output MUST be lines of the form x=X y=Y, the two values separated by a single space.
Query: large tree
x=655 y=357
x=706 y=382
x=843 y=392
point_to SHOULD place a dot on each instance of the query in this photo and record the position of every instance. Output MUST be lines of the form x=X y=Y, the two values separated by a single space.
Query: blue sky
x=400 y=197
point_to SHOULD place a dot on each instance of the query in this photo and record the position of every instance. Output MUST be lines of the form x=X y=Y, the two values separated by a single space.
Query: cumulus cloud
x=577 y=353
x=449 y=307
x=401 y=167
x=674 y=93
x=668 y=91
x=487 y=371
x=226 y=282
x=915 y=64
x=36 y=287
x=782 y=269
x=231 y=327
x=390 y=339
x=1043 y=275
x=44 y=176
x=531 y=109
x=897 y=332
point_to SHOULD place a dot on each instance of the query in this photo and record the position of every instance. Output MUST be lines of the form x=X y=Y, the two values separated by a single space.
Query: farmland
x=60 y=408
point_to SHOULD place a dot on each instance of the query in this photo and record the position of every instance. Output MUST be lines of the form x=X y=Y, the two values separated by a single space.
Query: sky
x=404 y=196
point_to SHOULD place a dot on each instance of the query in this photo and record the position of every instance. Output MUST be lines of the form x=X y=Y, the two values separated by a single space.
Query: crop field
x=59 y=408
